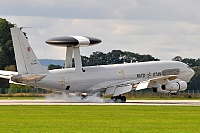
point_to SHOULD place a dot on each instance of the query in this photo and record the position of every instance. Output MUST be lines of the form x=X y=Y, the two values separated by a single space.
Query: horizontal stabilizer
x=7 y=74
x=27 y=78
x=11 y=82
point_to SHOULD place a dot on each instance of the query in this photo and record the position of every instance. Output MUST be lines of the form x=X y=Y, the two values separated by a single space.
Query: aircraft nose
x=192 y=72
x=189 y=74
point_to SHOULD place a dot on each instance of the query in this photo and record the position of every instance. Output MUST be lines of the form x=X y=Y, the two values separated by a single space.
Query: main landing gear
x=119 y=98
x=84 y=96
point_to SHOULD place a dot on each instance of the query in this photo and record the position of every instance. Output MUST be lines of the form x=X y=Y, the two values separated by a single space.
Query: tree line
x=113 y=57
x=190 y=61
x=7 y=58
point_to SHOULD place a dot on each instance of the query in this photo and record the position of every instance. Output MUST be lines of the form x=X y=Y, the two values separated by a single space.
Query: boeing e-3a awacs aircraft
x=114 y=80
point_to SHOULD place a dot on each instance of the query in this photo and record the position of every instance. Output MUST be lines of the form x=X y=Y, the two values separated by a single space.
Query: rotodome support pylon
x=73 y=44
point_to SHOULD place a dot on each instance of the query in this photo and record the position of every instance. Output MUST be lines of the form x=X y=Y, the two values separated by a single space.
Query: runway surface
x=129 y=102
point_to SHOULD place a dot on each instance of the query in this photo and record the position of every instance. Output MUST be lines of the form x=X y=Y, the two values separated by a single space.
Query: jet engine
x=171 y=87
x=175 y=86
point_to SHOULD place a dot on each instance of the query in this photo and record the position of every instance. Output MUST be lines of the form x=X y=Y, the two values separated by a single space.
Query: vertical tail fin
x=26 y=60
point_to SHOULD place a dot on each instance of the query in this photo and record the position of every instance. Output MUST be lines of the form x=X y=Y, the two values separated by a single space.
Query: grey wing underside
x=123 y=86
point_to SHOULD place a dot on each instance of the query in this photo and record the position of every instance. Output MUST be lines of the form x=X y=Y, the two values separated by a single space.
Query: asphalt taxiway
x=129 y=102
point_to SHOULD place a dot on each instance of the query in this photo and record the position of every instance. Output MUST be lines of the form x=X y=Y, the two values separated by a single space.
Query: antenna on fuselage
x=73 y=44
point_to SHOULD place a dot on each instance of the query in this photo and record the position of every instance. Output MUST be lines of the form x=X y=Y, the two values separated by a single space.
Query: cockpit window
x=171 y=72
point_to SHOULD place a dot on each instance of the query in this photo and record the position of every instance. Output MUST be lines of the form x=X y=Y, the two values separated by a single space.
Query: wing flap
x=115 y=87
x=117 y=90
x=110 y=91
x=122 y=89
x=142 y=85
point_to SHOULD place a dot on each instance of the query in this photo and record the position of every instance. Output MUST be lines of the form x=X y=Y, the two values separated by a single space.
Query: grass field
x=111 y=119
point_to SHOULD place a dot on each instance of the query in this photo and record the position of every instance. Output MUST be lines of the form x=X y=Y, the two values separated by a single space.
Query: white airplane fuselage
x=75 y=81
x=115 y=80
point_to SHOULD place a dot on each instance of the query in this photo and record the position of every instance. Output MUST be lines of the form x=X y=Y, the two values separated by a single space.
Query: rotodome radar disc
x=75 y=41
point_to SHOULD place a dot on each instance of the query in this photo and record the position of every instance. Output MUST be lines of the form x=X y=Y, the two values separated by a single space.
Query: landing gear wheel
x=119 y=98
x=84 y=97
x=123 y=99
x=173 y=94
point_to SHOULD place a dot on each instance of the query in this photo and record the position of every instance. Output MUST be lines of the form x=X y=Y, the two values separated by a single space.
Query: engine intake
x=176 y=86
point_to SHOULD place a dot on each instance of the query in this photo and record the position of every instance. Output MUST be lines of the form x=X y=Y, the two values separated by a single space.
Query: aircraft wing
x=120 y=87
x=150 y=83
x=115 y=87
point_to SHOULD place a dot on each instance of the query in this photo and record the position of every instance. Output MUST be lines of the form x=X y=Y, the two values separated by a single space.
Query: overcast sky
x=162 y=28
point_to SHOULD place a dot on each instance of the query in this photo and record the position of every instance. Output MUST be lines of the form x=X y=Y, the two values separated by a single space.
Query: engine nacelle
x=175 y=86
x=171 y=87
